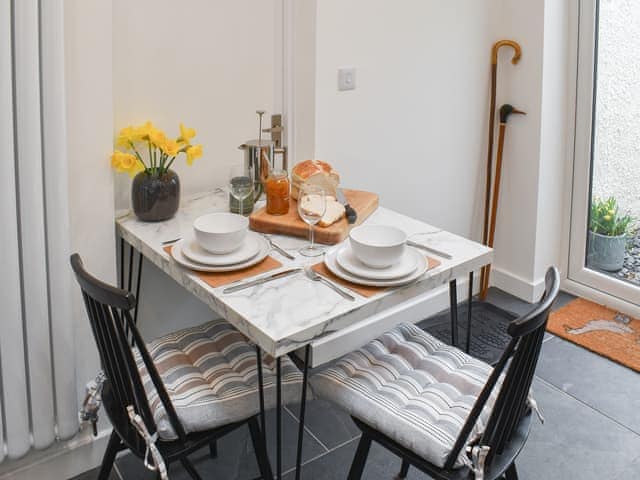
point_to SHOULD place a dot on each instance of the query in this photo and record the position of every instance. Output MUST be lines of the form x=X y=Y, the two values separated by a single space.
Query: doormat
x=489 y=335
x=600 y=329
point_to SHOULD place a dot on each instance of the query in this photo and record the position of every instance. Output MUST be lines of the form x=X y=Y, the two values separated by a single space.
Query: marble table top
x=286 y=314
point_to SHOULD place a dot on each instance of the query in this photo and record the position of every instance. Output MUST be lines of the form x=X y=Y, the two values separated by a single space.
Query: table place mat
x=218 y=279
x=363 y=290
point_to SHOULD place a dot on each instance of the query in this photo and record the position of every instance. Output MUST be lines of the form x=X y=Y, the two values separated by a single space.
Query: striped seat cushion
x=411 y=387
x=210 y=374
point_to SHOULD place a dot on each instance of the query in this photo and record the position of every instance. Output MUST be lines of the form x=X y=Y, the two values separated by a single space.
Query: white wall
x=414 y=129
x=303 y=94
x=530 y=219
x=89 y=127
x=554 y=178
x=209 y=64
x=521 y=86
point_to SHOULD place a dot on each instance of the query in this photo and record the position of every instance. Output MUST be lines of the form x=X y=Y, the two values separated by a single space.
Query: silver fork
x=313 y=275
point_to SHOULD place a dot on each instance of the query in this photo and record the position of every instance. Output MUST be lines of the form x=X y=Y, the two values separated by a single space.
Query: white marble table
x=286 y=314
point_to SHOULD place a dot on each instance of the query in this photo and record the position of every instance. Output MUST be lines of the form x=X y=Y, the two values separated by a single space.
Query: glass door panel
x=605 y=242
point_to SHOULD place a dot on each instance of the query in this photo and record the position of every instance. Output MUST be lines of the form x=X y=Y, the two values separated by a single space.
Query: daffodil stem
x=163 y=160
x=151 y=156
x=138 y=154
x=170 y=163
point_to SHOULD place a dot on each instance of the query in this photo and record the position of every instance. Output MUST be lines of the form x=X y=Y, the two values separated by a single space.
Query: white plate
x=420 y=260
x=249 y=248
x=349 y=262
x=181 y=259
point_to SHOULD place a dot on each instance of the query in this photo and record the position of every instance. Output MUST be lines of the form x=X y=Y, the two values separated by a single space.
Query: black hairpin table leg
x=453 y=306
x=467 y=346
x=263 y=421
x=279 y=418
x=121 y=281
x=138 y=278
x=303 y=405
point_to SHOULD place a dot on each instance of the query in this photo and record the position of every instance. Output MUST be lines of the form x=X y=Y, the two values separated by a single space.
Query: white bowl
x=378 y=246
x=220 y=233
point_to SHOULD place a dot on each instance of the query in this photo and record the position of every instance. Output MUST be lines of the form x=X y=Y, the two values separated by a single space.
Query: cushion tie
x=92 y=402
x=533 y=405
x=478 y=455
x=152 y=458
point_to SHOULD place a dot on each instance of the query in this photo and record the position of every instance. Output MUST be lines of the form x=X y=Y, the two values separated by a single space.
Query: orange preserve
x=277 y=190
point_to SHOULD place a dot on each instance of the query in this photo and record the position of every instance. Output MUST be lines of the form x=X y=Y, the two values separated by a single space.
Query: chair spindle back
x=117 y=338
x=519 y=360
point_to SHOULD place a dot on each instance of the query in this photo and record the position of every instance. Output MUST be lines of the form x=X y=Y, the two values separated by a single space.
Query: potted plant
x=155 y=190
x=608 y=237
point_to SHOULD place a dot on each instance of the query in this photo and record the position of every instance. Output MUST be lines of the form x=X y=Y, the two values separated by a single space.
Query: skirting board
x=61 y=461
x=517 y=286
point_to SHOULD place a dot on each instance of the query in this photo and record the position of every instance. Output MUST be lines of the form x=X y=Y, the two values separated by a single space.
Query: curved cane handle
x=506 y=43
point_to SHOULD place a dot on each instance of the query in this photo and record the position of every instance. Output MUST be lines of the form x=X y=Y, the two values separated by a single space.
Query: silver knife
x=439 y=253
x=262 y=280
x=351 y=214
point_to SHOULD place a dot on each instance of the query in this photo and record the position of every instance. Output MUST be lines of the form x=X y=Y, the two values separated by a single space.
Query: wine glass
x=312 y=204
x=240 y=185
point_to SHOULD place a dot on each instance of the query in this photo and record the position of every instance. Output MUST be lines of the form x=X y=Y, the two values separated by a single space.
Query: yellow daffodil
x=126 y=137
x=193 y=153
x=126 y=162
x=157 y=137
x=143 y=132
x=162 y=150
x=170 y=147
x=186 y=134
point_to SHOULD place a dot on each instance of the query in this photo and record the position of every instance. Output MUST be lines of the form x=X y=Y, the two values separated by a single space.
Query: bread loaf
x=314 y=172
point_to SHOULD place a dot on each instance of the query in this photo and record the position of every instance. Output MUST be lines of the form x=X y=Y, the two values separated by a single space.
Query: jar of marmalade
x=277 y=190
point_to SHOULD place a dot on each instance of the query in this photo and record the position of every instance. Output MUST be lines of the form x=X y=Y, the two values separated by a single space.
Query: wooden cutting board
x=364 y=203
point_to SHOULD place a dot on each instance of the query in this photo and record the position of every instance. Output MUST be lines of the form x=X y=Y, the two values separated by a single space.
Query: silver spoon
x=278 y=248
x=313 y=275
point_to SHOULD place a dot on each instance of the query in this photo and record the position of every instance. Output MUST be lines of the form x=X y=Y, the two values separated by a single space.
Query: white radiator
x=38 y=402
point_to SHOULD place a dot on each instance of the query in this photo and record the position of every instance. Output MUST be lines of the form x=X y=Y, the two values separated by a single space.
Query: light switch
x=346 y=78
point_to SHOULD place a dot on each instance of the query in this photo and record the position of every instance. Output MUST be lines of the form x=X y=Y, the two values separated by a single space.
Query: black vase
x=155 y=197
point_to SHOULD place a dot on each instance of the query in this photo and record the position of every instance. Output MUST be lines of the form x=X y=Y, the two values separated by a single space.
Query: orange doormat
x=599 y=329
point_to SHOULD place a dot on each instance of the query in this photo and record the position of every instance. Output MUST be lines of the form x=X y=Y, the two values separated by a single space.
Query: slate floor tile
x=630 y=471
x=329 y=424
x=93 y=474
x=513 y=304
x=600 y=383
x=236 y=459
x=575 y=441
x=507 y=302
x=381 y=465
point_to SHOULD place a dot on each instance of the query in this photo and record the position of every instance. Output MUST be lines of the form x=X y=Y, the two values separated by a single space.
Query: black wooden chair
x=122 y=351
x=437 y=408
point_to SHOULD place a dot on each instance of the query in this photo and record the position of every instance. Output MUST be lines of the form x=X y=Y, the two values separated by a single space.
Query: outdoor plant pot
x=606 y=252
x=155 y=197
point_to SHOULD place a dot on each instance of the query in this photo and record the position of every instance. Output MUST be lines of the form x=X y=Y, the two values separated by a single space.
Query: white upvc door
x=602 y=287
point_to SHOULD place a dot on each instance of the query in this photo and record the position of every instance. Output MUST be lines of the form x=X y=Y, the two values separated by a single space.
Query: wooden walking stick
x=505 y=111
x=492 y=116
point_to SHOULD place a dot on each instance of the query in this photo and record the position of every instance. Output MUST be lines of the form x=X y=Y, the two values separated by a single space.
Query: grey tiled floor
x=592 y=428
